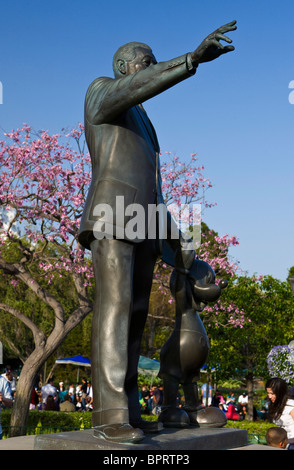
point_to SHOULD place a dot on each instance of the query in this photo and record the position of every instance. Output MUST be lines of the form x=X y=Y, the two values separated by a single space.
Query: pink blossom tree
x=43 y=186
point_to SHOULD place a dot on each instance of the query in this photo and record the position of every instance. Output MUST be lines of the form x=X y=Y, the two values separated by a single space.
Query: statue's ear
x=121 y=65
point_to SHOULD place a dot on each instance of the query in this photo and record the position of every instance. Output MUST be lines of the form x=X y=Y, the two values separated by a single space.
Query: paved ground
x=18 y=443
x=27 y=443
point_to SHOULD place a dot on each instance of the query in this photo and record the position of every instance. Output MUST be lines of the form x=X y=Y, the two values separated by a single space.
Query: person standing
x=206 y=391
x=61 y=392
x=8 y=375
x=5 y=398
x=84 y=390
x=48 y=389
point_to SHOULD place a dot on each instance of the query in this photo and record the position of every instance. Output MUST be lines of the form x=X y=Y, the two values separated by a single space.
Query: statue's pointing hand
x=211 y=47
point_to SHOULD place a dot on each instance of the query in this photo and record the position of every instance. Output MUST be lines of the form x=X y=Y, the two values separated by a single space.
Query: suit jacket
x=123 y=146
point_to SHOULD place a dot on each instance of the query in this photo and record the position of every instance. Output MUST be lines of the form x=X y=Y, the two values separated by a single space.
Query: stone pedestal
x=170 y=440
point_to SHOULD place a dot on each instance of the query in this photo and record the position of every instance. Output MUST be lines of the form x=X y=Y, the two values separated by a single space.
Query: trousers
x=123 y=280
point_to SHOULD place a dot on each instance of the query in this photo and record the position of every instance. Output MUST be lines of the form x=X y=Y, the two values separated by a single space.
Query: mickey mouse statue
x=186 y=351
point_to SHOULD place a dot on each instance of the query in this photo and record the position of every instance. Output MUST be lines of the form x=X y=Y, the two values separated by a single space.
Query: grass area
x=256 y=430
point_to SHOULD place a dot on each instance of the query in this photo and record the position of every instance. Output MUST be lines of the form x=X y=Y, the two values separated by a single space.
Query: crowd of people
x=151 y=399
x=72 y=398
x=235 y=407
x=48 y=397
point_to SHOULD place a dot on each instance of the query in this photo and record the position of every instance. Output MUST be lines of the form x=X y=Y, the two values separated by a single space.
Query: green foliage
x=230 y=384
x=268 y=304
x=150 y=417
x=17 y=338
x=147 y=379
x=291 y=271
x=255 y=427
x=78 y=341
x=54 y=421
x=160 y=321
x=256 y=430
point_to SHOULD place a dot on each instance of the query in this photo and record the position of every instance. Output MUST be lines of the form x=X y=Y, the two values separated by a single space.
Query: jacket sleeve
x=107 y=98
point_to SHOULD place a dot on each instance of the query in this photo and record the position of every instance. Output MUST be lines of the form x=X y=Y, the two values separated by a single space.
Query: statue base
x=171 y=439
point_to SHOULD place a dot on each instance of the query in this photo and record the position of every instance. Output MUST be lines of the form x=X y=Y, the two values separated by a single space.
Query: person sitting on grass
x=67 y=404
x=231 y=412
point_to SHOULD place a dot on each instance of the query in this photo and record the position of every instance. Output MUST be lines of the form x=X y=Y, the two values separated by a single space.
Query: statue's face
x=144 y=58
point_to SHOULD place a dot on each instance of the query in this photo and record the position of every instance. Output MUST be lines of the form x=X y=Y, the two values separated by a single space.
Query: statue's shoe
x=210 y=417
x=174 y=418
x=120 y=433
x=148 y=427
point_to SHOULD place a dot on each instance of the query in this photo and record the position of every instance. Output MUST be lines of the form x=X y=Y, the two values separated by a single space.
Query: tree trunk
x=32 y=365
x=20 y=410
x=250 y=413
x=152 y=324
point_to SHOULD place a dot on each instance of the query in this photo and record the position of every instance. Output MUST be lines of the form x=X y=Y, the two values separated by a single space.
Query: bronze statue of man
x=124 y=152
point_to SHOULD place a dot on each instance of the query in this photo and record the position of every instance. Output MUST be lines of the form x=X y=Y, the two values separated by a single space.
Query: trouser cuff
x=113 y=416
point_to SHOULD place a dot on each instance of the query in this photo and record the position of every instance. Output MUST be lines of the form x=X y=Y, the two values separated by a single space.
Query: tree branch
x=19 y=271
x=39 y=336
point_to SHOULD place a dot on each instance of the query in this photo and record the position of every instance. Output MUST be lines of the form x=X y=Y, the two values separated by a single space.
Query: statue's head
x=201 y=278
x=131 y=58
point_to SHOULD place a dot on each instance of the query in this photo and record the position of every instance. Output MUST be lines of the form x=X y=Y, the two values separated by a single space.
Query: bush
x=40 y=422
x=258 y=427
x=149 y=417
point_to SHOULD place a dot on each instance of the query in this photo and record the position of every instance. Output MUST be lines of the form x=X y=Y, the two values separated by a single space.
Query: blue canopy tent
x=146 y=365
x=76 y=361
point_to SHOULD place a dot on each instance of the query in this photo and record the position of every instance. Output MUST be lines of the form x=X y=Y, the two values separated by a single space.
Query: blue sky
x=234 y=113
